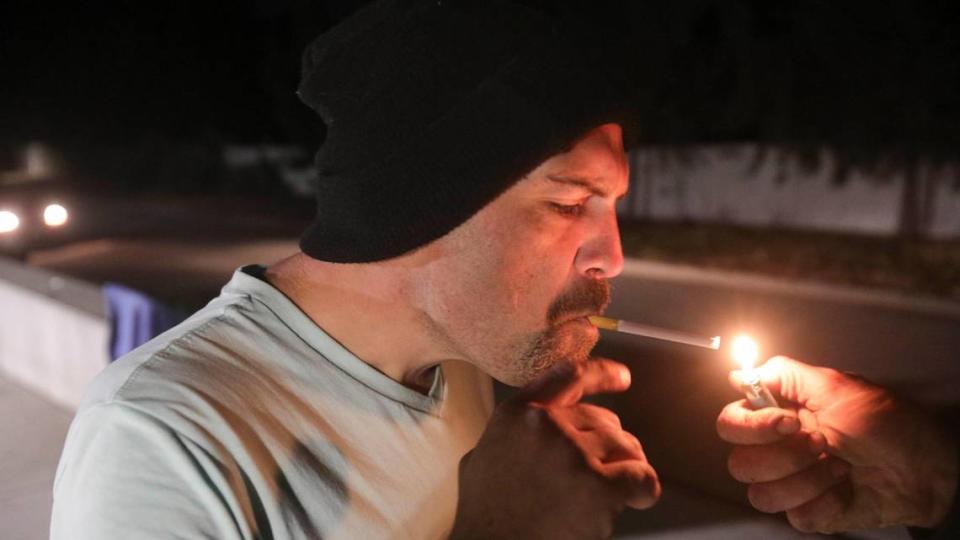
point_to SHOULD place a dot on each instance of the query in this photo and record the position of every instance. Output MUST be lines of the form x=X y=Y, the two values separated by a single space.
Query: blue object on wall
x=135 y=318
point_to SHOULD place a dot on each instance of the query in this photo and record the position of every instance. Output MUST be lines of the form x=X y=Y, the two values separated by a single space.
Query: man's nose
x=601 y=255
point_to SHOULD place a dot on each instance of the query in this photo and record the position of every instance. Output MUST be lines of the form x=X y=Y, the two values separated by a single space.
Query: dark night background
x=140 y=99
x=878 y=81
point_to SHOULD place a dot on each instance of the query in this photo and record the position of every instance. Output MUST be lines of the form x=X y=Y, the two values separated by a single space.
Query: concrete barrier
x=54 y=332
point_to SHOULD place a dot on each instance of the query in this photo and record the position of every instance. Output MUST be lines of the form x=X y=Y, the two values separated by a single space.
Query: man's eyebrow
x=582 y=182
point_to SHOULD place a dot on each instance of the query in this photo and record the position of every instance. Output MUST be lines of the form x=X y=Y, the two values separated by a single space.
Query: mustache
x=586 y=297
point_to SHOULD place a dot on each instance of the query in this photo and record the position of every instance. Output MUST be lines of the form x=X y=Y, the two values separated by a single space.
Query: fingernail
x=839 y=468
x=625 y=376
x=788 y=425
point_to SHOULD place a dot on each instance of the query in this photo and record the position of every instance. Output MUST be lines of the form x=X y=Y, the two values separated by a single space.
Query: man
x=466 y=227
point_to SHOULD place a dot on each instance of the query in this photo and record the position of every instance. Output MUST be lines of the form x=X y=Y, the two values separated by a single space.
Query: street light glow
x=9 y=221
x=54 y=215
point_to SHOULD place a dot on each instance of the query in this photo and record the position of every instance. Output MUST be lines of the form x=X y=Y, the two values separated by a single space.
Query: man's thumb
x=789 y=378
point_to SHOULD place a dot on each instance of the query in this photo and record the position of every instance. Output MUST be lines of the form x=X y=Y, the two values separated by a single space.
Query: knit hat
x=435 y=107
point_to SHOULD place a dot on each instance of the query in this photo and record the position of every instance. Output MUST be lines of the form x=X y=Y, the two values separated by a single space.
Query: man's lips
x=578 y=317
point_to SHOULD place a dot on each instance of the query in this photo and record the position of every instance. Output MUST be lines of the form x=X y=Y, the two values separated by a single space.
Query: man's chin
x=568 y=342
x=575 y=339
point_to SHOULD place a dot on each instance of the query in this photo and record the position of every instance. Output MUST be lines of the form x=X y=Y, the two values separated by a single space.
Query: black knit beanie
x=435 y=107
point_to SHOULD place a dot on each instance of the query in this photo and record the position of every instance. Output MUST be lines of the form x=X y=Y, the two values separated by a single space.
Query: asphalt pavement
x=32 y=431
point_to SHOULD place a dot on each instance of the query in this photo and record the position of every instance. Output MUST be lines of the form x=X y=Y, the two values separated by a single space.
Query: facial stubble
x=562 y=341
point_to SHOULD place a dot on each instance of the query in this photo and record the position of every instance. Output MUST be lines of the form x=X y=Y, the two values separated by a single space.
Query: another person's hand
x=842 y=454
x=548 y=466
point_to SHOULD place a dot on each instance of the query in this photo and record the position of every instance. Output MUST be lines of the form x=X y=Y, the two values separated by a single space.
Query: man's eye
x=568 y=209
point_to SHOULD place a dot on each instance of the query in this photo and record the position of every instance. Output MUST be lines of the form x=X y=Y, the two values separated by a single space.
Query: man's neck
x=365 y=310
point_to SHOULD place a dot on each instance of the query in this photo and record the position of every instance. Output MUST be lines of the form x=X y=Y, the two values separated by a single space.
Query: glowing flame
x=745 y=351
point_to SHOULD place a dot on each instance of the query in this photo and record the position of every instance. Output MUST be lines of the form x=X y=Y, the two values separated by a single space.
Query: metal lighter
x=745 y=352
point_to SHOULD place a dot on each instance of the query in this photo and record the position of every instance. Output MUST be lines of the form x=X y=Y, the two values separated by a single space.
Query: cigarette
x=655 y=332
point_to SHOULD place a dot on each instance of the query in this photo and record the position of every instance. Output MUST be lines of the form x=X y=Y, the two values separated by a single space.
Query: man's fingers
x=825 y=513
x=798 y=489
x=566 y=384
x=597 y=432
x=763 y=463
x=587 y=417
x=607 y=445
x=637 y=482
x=600 y=375
x=790 y=379
x=739 y=424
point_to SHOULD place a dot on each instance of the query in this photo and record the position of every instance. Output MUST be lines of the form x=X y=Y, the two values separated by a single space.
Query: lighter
x=745 y=352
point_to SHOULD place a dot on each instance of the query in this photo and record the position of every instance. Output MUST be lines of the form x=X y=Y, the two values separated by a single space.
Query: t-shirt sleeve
x=124 y=474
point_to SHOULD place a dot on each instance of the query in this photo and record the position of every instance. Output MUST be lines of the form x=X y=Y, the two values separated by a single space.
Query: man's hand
x=843 y=454
x=548 y=466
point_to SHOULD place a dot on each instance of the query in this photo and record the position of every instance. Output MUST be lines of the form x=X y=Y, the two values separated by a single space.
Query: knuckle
x=765 y=418
x=637 y=485
x=635 y=443
x=617 y=445
x=779 y=361
x=610 y=434
x=737 y=465
x=609 y=416
x=833 y=378
x=761 y=498
x=727 y=424
x=802 y=521
x=651 y=490
x=599 y=414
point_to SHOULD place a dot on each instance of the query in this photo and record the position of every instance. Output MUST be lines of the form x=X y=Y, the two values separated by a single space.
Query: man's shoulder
x=194 y=356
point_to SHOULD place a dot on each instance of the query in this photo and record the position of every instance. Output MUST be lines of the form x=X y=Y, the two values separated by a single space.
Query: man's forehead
x=596 y=162
x=598 y=153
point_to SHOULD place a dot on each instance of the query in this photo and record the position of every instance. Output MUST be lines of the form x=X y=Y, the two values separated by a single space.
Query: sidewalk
x=32 y=431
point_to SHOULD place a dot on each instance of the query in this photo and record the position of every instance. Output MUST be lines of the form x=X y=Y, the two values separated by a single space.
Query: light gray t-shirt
x=248 y=421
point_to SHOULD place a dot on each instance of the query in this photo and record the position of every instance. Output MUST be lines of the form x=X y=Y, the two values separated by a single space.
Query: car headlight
x=9 y=221
x=55 y=215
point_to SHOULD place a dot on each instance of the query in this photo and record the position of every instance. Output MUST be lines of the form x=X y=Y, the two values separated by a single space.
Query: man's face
x=510 y=288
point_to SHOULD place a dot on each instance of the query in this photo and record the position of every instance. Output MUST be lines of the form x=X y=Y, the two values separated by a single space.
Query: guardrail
x=54 y=331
